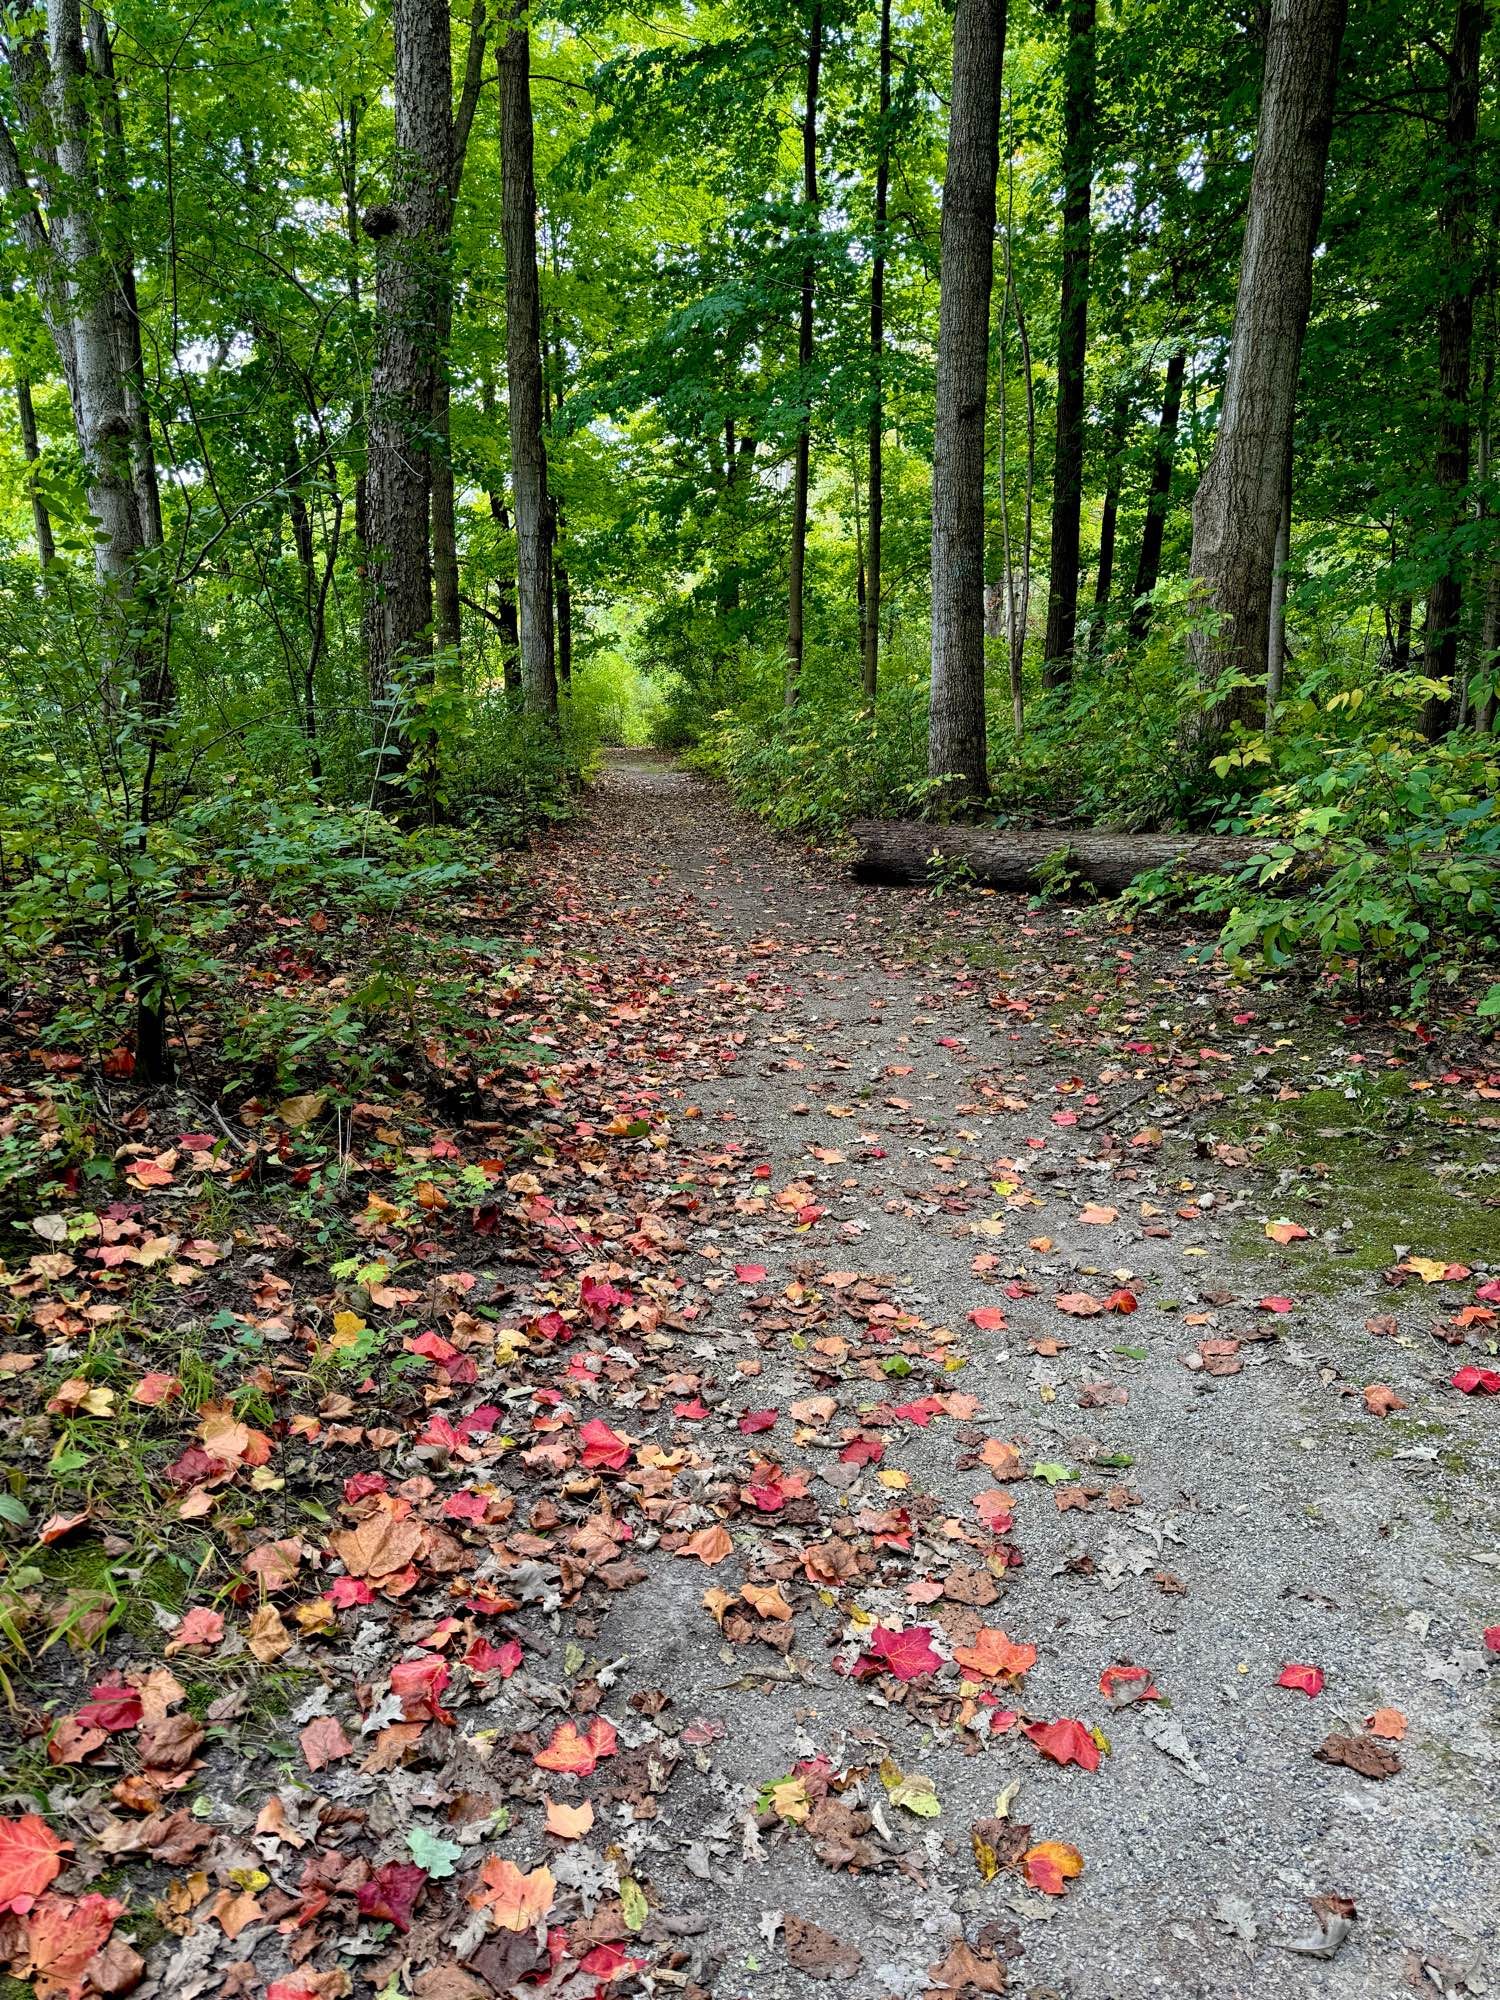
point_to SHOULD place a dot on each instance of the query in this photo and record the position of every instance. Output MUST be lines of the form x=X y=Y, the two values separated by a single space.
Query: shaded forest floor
x=744 y=1495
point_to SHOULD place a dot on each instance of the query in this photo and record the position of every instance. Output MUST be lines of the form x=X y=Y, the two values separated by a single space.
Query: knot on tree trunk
x=381 y=219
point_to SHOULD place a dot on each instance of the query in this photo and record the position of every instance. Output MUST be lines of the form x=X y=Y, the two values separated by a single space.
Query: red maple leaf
x=1305 y=1680
x=113 y=1705
x=1065 y=1742
x=603 y=1447
x=29 y=1852
x=392 y=1893
x=907 y=1653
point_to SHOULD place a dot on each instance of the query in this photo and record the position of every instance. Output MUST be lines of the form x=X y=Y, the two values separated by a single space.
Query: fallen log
x=1026 y=859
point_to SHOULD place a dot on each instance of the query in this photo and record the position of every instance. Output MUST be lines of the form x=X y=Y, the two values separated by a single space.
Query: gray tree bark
x=1239 y=498
x=871 y=634
x=1072 y=351
x=1455 y=331
x=956 y=718
x=523 y=366
x=797 y=561
x=1158 y=498
x=447 y=616
x=41 y=520
x=1276 y=633
x=411 y=281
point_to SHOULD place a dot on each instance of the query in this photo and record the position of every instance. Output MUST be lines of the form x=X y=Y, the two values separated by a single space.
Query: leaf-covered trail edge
x=887 y=1490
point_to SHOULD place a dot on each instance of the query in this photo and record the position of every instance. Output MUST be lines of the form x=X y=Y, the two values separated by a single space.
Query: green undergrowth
x=1368 y=1165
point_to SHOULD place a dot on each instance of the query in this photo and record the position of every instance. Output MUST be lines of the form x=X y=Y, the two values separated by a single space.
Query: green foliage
x=1399 y=840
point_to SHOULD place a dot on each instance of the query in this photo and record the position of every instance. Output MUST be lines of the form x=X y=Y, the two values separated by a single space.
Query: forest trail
x=991 y=1124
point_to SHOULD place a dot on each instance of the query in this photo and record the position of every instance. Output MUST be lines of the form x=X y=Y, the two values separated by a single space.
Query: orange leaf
x=61 y=1937
x=569 y=1822
x=575 y=1750
x=517 y=1902
x=1286 y=1232
x=709 y=1545
x=1387 y=1722
x=29 y=1851
x=994 y=1655
x=1050 y=1865
x=767 y=1602
x=1381 y=1400
x=379 y=1546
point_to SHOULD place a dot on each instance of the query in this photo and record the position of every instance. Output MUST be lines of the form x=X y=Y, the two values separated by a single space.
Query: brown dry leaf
x=236 y=1911
x=819 y=1953
x=1003 y=1460
x=324 y=1742
x=1364 y=1754
x=766 y=1601
x=966 y=1971
x=170 y=1744
x=266 y=1636
x=1381 y=1400
x=379 y=1546
x=709 y=1545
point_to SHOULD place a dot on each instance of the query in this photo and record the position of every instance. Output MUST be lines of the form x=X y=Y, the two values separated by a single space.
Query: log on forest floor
x=1026 y=859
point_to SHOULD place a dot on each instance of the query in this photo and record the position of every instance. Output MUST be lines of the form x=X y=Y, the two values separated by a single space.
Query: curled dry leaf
x=1364 y=1754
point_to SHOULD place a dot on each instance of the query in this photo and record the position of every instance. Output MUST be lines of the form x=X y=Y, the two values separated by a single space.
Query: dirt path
x=980 y=1155
x=768 y=1435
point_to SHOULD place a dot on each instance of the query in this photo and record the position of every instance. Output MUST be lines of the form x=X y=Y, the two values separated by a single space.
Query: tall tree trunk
x=1455 y=331
x=523 y=367
x=1239 y=499
x=41 y=520
x=871 y=633
x=1276 y=632
x=447 y=616
x=1072 y=345
x=505 y=621
x=797 y=564
x=82 y=286
x=1158 y=498
x=411 y=281
x=120 y=251
x=1109 y=517
x=1401 y=651
x=358 y=409
x=956 y=719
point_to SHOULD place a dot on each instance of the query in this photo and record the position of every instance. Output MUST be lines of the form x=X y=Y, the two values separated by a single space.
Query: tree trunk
x=1489 y=652
x=1276 y=636
x=358 y=409
x=1109 y=517
x=505 y=621
x=102 y=424
x=411 y=282
x=797 y=564
x=871 y=633
x=447 y=617
x=121 y=256
x=1455 y=331
x=86 y=290
x=1239 y=499
x=1072 y=347
x=1158 y=498
x=1025 y=859
x=523 y=364
x=41 y=520
x=956 y=719
x=1401 y=651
